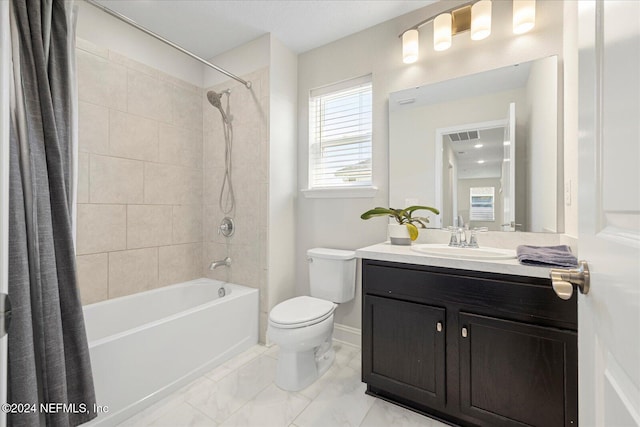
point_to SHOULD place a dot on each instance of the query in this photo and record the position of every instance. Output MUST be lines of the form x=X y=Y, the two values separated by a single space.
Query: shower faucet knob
x=226 y=227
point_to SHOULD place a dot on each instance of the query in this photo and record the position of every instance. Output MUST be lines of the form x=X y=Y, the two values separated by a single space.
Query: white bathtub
x=145 y=346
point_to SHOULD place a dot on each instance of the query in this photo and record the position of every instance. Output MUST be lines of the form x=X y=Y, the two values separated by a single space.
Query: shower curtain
x=49 y=365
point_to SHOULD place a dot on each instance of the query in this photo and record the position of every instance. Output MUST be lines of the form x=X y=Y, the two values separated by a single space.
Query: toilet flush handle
x=309 y=259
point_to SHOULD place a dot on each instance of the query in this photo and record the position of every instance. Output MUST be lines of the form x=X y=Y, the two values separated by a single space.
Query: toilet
x=302 y=327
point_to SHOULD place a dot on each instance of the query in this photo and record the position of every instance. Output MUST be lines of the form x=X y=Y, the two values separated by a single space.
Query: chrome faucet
x=459 y=237
x=223 y=263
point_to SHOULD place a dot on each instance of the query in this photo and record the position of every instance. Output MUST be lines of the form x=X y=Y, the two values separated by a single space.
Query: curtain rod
x=131 y=22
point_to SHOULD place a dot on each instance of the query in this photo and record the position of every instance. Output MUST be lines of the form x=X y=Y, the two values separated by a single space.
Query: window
x=482 y=204
x=340 y=135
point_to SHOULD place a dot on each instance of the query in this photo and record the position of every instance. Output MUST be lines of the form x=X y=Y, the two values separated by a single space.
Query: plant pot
x=399 y=235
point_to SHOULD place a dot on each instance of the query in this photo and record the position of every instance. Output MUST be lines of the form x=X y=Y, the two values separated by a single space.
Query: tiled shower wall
x=247 y=248
x=140 y=177
x=151 y=164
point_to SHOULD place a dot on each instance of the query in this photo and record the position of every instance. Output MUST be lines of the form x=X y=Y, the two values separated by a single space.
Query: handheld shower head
x=227 y=199
x=214 y=99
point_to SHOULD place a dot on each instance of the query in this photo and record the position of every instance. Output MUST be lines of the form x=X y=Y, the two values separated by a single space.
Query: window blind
x=482 y=200
x=340 y=135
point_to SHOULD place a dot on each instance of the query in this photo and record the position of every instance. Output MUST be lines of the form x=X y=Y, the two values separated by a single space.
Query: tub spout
x=225 y=262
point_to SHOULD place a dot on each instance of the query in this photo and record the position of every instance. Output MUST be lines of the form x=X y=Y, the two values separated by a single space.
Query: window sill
x=340 y=193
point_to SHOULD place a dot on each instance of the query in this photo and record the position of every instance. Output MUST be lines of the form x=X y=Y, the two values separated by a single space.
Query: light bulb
x=410 y=46
x=524 y=15
x=481 y=20
x=442 y=32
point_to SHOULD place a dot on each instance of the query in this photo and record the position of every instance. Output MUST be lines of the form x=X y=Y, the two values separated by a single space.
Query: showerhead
x=214 y=99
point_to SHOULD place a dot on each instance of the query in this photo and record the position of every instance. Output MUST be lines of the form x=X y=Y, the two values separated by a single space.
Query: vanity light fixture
x=410 y=46
x=524 y=15
x=478 y=146
x=480 y=162
x=481 y=20
x=474 y=16
x=442 y=32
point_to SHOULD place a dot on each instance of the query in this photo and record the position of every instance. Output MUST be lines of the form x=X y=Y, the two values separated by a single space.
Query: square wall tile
x=186 y=108
x=100 y=81
x=83 y=178
x=93 y=277
x=179 y=263
x=133 y=137
x=187 y=224
x=212 y=218
x=148 y=96
x=101 y=228
x=175 y=81
x=249 y=199
x=172 y=185
x=132 y=271
x=179 y=146
x=117 y=58
x=115 y=180
x=212 y=183
x=148 y=225
x=246 y=146
x=93 y=128
x=245 y=268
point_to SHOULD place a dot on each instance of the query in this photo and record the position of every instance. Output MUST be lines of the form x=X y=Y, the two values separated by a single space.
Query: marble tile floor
x=241 y=392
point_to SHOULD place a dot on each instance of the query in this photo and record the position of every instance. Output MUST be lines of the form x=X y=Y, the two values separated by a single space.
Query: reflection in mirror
x=482 y=148
x=476 y=179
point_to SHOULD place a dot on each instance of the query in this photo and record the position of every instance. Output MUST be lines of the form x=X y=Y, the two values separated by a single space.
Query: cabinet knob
x=439 y=326
x=464 y=332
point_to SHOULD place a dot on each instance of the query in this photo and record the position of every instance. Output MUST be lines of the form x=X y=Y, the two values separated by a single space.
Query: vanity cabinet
x=471 y=348
x=411 y=363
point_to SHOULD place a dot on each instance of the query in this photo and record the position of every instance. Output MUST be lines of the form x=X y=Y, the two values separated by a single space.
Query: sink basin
x=447 y=251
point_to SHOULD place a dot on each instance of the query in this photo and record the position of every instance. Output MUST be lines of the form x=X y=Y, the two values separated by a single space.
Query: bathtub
x=145 y=346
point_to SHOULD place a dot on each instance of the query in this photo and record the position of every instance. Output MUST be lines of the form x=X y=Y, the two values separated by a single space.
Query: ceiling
x=490 y=153
x=210 y=27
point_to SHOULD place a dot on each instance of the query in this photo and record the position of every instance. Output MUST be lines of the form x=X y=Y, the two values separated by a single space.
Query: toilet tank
x=332 y=274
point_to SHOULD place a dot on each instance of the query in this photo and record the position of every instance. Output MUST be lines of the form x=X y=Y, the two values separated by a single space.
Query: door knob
x=563 y=280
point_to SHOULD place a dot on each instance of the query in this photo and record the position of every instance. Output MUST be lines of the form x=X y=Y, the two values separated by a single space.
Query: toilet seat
x=301 y=311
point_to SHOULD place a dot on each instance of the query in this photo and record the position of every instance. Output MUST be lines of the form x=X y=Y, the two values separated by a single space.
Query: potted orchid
x=406 y=229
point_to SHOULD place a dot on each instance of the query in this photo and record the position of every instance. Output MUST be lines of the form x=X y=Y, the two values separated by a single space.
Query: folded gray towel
x=547 y=256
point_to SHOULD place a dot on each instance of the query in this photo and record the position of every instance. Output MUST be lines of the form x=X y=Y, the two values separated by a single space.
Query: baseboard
x=347 y=334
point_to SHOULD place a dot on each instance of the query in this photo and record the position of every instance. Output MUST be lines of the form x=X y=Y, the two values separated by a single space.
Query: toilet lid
x=301 y=311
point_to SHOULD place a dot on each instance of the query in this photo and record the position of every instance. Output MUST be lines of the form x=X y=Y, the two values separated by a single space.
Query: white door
x=609 y=211
x=4 y=186
x=509 y=172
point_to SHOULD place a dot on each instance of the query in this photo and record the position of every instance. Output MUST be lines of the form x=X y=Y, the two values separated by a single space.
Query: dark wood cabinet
x=513 y=372
x=407 y=348
x=469 y=348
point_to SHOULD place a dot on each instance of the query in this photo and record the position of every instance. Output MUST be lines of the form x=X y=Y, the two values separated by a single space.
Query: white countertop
x=396 y=253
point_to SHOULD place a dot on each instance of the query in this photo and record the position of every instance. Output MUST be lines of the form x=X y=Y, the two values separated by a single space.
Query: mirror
x=481 y=148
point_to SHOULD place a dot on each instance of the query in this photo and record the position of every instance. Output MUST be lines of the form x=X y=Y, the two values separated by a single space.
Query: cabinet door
x=513 y=373
x=404 y=349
